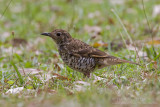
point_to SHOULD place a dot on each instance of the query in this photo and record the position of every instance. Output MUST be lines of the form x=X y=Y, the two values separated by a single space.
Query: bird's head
x=60 y=36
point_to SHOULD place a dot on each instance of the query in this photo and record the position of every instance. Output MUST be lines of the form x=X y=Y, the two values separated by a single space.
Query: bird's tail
x=125 y=61
x=114 y=60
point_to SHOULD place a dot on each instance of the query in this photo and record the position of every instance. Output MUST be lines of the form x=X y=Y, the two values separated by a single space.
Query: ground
x=33 y=74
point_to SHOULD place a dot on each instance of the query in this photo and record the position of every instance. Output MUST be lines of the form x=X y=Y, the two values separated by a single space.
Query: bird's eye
x=58 y=34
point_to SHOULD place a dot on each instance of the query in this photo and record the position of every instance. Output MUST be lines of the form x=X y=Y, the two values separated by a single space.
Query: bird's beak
x=46 y=34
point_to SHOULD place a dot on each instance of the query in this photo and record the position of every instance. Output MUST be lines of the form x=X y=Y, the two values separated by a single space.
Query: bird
x=80 y=56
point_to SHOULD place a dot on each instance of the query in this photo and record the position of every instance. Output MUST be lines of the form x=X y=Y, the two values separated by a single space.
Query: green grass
x=121 y=84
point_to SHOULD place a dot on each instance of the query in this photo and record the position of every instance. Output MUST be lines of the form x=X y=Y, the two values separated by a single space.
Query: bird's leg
x=86 y=74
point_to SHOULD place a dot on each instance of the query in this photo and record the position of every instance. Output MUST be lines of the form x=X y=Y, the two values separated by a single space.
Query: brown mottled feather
x=81 y=56
x=82 y=49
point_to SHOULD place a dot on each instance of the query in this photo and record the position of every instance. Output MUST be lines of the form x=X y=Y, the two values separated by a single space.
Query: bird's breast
x=81 y=64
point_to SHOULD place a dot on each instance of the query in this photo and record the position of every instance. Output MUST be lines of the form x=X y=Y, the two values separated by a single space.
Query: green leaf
x=1 y=58
x=19 y=57
x=18 y=73
x=10 y=82
x=29 y=87
x=158 y=56
x=28 y=65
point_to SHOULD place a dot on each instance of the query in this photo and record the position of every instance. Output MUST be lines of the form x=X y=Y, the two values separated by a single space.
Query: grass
x=32 y=60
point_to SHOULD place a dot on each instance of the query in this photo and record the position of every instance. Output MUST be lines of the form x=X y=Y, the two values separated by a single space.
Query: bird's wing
x=79 y=48
x=91 y=52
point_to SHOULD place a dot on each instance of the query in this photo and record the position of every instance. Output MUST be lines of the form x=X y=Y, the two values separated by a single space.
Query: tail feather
x=114 y=60
x=125 y=61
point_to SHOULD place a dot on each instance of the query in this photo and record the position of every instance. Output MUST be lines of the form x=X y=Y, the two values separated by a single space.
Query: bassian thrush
x=81 y=56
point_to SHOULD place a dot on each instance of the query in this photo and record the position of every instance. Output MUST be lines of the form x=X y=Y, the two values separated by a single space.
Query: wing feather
x=78 y=48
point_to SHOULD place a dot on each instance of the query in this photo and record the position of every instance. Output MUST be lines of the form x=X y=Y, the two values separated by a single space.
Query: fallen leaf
x=93 y=29
x=10 y=51
x=18 y=42
x=100 y=44
x=39 y=40
x=27 y=71
x=154 y=42
x=42 y=76
x=97 y=44
x=82 y=83
x=55 y=75
x=15 y=90
x=114 y=45
x=50 y=91
x=36 y=72
x=79 y=88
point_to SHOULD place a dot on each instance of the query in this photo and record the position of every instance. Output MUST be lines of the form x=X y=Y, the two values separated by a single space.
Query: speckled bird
x=81 y=56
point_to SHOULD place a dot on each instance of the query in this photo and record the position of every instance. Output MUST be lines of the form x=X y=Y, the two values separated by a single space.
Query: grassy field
x=33 y=74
